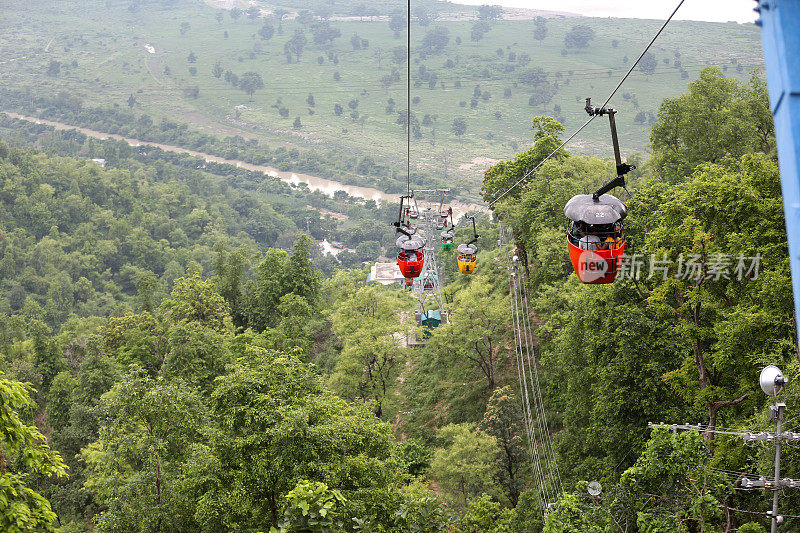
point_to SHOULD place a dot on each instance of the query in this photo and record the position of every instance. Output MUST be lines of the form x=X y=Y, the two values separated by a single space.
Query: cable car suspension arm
x=622 y=167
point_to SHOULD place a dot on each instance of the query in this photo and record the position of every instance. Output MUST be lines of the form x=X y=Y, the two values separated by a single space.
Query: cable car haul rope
x=595 y=241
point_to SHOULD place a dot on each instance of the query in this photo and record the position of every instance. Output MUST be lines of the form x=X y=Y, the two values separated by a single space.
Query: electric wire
x=536 y=458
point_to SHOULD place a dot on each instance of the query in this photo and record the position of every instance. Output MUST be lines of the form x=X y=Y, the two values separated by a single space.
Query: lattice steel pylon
x=427 y=285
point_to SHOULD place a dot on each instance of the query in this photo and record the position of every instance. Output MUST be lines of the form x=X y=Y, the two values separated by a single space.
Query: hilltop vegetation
x=176 y=355
x=243 y=389
x=475 y=83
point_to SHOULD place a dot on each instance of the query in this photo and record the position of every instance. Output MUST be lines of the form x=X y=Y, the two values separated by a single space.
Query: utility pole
x=771 y=381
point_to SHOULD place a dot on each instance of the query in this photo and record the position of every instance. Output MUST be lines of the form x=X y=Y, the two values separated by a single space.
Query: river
x=314 y=183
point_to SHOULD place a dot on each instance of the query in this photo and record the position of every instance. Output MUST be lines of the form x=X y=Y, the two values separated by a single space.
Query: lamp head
x=772 y=380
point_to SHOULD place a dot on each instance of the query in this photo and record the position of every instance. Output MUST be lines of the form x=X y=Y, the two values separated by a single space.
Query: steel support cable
x=533 y=450
x=408 y=99
x=543 y=435
x=536 y=456
x=536 y=386
x=550 y=448
x=592 y=117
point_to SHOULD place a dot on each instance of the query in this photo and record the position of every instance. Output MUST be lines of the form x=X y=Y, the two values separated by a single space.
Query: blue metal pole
x=780 y=22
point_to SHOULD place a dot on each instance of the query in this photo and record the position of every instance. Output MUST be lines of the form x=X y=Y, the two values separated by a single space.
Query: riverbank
x=314 y=183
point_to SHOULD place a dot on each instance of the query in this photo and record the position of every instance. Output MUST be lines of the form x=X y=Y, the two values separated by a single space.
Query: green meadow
x=102 y=55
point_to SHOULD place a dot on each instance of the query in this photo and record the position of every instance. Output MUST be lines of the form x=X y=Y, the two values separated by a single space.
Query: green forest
x=177 y=355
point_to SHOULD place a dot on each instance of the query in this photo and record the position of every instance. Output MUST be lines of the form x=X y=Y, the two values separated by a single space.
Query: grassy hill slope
x=105 y=53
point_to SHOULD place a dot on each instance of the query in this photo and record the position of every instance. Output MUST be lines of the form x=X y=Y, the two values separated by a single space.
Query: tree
x=485 y=516
x=21 y=508
x=397 y=22
x=503 y=421
x=54 y=68
x=648 y=63
x=191 y=58
x=702 y=307
x=297 y=124
x=136 y=467
x=479 y=29
x=533 y=77
x=267 y=31
x=276 y=427
x=131 y=101
x=681 y=138
x=579 y=37
x=277 y=275
x=194 y=300
x=185 y=27
x=294 y=46
x=459 y=127
x=367 y=365
x=539 y=28
x=478 y=332
x=216 y=71
x=323 y=33
x=487 y=12
x=338 y=109
x=250 y=82
x=253 y=12
x=399 y=55
x=435 y=40
x=667 y=463
x=235 y=13
x=310 y=100
x=464 y=466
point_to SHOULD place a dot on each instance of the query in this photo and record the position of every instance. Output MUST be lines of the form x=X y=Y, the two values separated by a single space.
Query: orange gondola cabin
x=596 y=236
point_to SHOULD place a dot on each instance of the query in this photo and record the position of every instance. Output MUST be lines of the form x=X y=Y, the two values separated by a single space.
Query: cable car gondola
x=410 y=254
x=596 y=235
x=447 y=240
x=447 y=234
x=468 y=253
x=443 y=214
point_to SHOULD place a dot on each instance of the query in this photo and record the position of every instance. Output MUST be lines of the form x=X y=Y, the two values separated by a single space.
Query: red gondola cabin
x=410 y=255
x=596 y=236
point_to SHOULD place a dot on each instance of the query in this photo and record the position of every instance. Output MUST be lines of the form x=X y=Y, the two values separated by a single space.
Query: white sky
x=709 y=10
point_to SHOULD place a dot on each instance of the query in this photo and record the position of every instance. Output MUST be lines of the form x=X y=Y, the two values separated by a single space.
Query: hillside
x=177 y=354
x=182 y=59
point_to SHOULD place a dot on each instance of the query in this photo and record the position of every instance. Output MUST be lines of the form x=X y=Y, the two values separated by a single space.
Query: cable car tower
x=430 y=311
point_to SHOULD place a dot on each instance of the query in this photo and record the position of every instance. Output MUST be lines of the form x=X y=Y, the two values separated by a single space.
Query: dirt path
x=314 y=183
